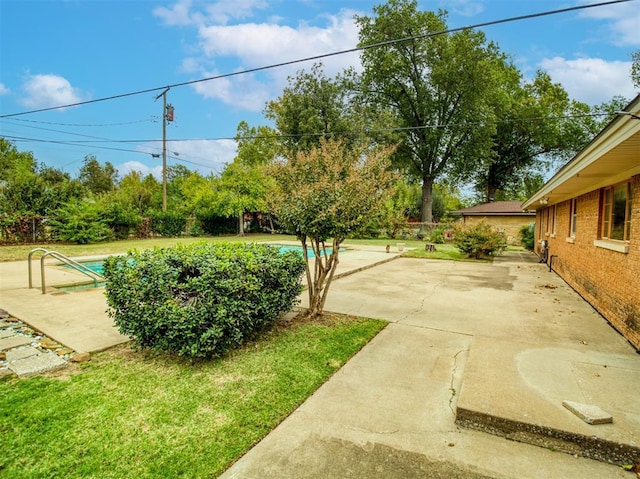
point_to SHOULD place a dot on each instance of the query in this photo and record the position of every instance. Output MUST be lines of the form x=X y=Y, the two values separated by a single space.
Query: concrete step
x=520 y=391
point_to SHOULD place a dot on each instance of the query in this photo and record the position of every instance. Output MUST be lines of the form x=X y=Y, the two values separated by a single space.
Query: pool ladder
x=64 y=259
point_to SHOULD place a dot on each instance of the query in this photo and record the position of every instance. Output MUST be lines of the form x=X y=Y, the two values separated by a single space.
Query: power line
x=327 y=55
x=150 y=120
x=77 y=143
x=350 y=132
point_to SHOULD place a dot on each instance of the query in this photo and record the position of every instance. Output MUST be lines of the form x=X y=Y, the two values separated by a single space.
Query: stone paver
x=14 y=341
x=22 y=353
x=37 y=364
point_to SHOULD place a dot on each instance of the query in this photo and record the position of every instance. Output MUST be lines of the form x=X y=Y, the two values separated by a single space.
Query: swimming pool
x=97 y=267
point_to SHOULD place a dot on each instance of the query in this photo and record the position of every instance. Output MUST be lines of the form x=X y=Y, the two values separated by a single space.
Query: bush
x=218 y=225
x=437 y=235
x=528 y=236
x=121 y=219
x=200 y=300
x=168 y=223
x=80 y=222
x=479 y=241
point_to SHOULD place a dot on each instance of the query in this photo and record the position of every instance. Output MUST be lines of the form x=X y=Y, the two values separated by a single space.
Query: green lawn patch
x=20 y=252
x=131 y=414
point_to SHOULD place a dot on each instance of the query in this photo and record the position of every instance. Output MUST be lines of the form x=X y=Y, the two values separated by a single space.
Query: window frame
x=573 y=217
x=607 y=212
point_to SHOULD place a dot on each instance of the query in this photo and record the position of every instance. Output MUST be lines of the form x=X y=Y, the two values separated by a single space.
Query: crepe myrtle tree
x=322 y=195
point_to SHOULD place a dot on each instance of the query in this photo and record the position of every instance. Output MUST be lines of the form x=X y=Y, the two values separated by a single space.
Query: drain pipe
x=551 y=261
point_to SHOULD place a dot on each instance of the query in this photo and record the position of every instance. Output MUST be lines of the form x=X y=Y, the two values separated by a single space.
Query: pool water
x=96 y=266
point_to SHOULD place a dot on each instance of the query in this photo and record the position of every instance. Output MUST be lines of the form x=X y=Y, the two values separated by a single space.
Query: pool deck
x=79 y=319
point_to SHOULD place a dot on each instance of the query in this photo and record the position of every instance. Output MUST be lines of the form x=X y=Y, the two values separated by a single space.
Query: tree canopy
x=436 y=86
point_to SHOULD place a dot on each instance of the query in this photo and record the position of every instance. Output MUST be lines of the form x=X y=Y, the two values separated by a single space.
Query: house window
x=573 y=215
x=551 y=220
x=616 y=212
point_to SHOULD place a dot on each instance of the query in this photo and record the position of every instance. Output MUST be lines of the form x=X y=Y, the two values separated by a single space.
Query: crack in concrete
x=429 y=294
x=453 y=378
x=370 y=431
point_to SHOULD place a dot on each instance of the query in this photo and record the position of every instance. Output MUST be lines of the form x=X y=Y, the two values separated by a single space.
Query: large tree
x=243 y=185
x=435 y=86
x=96 y=177
x=314 y=106
x=536 y=124
x=324 y=194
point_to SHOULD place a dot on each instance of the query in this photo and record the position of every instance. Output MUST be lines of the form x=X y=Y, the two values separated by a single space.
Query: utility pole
x=164 y=146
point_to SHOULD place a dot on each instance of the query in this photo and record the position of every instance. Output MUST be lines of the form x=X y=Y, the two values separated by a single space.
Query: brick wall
x=609 y=280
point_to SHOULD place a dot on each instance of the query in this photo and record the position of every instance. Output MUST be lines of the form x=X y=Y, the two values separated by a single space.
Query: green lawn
x=20 y=252
x=128 y=414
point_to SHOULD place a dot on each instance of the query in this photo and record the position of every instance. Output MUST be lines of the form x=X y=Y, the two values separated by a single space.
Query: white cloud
x=3 y=89
x=220 y=12
x=591 y=80
x=205 y=155
x=257 y=45
x=243 y=92
x=224 y=10
x=466 y=8
x=178 y=14
x=224 y=47
x=623 y=21
x=125 y=168
x=260 y=44
x=42 y=91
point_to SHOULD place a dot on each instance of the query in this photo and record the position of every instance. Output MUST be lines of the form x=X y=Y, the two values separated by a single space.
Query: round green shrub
x=479 y=241
x=200 y=300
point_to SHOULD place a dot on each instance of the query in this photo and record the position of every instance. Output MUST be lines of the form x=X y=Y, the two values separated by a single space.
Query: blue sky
x=61 y=52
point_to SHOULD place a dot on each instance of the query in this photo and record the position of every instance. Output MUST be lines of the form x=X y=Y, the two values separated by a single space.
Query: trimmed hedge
x=203 y=299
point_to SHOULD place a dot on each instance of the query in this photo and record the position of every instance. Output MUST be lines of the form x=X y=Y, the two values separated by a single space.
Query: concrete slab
x=516 y=390
x=37 y=364
x=21 y=353
x=6 y=333
x=77 y=320
x=14 y=342
x=389 y=412
x=588 y=412
x=477 y=312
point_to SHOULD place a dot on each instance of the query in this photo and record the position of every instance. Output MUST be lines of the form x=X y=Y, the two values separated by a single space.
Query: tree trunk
x=427 y=199
x=491 y=193
x=324 y=269
x=241 y=224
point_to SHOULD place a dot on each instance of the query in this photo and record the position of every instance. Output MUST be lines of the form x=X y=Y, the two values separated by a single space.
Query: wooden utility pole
x=164 y=147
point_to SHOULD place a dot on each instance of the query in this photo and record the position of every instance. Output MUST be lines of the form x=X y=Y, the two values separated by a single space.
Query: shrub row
x=200 y=300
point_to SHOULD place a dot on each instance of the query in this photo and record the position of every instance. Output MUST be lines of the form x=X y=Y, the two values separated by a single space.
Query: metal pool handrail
x=65 y=259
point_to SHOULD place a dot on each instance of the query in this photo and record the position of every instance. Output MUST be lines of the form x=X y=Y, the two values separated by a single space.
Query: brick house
x=505 y=216
x=588 y=214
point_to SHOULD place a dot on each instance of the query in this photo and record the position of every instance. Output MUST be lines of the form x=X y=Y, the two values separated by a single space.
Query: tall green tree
x=96 y=177
x=436 y=88
x=314 y=107
x=324 y=194
x=536 y=123
x=243 y=185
